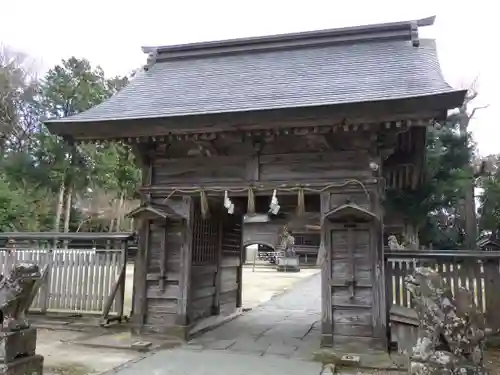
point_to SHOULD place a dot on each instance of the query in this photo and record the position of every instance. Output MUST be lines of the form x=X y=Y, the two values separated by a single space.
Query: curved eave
x=112 y=128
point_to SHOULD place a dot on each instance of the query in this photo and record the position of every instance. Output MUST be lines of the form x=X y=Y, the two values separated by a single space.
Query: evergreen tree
x=434 y=207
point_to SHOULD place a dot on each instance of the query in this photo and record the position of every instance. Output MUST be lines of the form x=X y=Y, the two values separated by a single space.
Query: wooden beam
x=218 y=274
x=140 y=272
x=239 y=295
x=326 y=273
x=317 y=142
x=186 y=265
x=260 y=188
x=350 y=113
x=141 y=263
x=203 y=148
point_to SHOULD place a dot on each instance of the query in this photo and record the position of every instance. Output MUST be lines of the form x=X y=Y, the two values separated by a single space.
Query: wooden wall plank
x=314 y=165
x=200 y=169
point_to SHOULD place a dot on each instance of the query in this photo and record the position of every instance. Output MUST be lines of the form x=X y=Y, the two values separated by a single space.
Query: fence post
x=120 y=298
x=492 y=286
x=45 y=292
x=10 y=258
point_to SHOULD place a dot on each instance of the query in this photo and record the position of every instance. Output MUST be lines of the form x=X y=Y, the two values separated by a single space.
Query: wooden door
x=352 y=278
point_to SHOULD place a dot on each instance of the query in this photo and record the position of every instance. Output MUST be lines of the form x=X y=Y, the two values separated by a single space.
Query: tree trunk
x=119 y=213
x=470 y=217
x=59 y=209
x=111 y=225
x=67 y=212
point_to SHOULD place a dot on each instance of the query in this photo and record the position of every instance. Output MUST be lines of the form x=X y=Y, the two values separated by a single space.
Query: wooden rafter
x=204 y=135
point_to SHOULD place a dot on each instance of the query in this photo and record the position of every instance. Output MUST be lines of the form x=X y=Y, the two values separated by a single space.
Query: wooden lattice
x=205 y=238
x=231 y=236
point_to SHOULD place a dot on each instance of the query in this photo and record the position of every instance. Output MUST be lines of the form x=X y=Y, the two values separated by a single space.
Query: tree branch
x=477 y=109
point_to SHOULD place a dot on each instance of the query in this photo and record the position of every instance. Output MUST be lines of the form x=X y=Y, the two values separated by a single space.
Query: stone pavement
x=277 y=337
x=287 y=325
x=265 y=283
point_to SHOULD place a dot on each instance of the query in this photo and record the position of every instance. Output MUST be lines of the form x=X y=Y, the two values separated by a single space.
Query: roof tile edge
x=405 y=30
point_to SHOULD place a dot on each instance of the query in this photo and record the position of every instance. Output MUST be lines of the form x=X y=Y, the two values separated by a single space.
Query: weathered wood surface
x=303 y=166
x=359 y=117
x=163 y=272
x=160 y=289
x=199 y=169
x=79 y=280
x=204 y=262
x=199 y=272
x=477 y=271
x=352 y=274
x=352 y=279
x=241 y=158
x=185 y=266
x=326 y=276
x=231 y=283
x=404 y=328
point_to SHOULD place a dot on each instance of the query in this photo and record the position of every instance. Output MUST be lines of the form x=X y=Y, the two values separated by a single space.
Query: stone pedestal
x=288 y=264
x=17 y=353
x=23 y=366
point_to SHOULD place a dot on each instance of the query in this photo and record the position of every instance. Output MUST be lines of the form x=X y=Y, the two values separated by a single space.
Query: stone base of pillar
x=17 y=353
x=17 y=344
x=32 y=365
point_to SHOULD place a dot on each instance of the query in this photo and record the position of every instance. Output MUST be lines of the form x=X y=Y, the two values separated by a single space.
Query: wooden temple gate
x=333 y=116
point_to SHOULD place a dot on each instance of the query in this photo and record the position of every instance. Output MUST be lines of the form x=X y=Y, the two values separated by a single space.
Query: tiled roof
x=369 y=66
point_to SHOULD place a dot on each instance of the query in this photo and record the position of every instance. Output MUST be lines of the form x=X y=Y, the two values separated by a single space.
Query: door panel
x=353 y=322
x=352 y=282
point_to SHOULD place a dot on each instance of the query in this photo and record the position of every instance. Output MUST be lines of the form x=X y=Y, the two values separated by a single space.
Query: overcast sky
x=111 y=32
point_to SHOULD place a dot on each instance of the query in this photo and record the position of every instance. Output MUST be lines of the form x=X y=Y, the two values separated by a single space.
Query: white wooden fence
x=78 y=280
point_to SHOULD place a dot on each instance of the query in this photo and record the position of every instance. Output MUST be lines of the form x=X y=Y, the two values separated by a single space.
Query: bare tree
x=462 y=118
x=105 y=209
x=19 y=115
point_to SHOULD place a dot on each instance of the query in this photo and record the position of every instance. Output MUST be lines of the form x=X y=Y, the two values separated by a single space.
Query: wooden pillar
x=239 y=297
x=140 y=274
x=326 y=273
x=218 y=275
x=185 y=264
x=139 y=297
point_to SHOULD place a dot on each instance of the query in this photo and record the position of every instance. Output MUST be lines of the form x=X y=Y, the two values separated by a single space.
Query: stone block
x=350 y=360
x=16 y=344
x=23 y=366
x=328 y=369
x=142 y=346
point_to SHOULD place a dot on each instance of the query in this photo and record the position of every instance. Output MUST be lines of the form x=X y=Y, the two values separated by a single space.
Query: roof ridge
x=405 y=30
